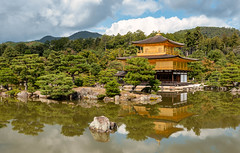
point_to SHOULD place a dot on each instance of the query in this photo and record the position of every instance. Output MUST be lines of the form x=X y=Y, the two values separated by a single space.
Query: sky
x=26 y=20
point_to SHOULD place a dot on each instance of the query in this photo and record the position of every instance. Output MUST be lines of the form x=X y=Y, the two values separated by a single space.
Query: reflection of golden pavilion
x=170 y=114
x=166 y=120
x=164 y=115
x=165 y=128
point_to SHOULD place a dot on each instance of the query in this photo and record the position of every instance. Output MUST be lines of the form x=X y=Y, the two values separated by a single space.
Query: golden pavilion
x=170 y=67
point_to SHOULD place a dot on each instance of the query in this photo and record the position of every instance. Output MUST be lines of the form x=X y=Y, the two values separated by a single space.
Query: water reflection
x=29 y=118
x=181 y=114
x=214 y=110
x=163 y=117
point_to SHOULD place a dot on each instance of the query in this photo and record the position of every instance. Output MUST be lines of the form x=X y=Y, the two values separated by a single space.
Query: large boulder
x=102 y=124
x=90 y=97
x=234 y=90
x=39 y=95
x=23 y=94
x=84 y=92
x=4 y=94
x=87 y=93
x=116 y=98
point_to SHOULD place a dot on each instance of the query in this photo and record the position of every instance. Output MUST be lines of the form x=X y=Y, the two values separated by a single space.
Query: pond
x=200 y=122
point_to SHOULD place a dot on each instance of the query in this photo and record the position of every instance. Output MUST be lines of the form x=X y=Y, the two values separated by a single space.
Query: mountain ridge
x=77 y=35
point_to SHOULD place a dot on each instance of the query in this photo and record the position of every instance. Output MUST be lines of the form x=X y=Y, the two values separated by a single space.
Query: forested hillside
x=86 y=62
x=211 y=32
x=77 y=35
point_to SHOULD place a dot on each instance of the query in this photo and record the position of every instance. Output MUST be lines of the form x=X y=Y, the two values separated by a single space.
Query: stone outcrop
x=23 y=94
x=37 y=94
x=117 y=99
x=102 y=124
x=108 y=99
x=87 y=93
x=235 y=91
x=4 y=94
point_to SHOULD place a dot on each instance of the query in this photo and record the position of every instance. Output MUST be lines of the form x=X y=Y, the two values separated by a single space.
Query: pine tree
x=28 y=68
x=107 y=75
x=139 y=70
x=56 y=85
x=230 y=75
x=214 y=78
x=112 y=88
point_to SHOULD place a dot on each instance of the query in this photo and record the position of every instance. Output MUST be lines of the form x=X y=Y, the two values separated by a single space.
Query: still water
x=200 y=122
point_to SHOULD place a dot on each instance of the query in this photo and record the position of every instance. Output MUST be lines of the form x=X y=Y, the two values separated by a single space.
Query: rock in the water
x=116 y=98
x=38 y=94
x=234 y=90
x=4 y=94
x=113 y=126
x=102 y=124
x=108 y=99
x=23 y=94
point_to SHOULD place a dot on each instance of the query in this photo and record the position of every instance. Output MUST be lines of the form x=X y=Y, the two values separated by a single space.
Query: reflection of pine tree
x=213 y=110
x=72 y=130
x=138 y=127
x=27 y=126
x=110 y=110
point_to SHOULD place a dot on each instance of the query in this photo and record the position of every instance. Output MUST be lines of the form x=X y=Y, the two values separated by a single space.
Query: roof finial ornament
x=158 y=33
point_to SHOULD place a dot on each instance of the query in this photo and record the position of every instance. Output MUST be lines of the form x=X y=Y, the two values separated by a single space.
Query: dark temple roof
x=158 y=57
x=157 y=39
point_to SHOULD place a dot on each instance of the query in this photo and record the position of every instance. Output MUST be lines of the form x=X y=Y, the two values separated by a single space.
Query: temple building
x=170 y=67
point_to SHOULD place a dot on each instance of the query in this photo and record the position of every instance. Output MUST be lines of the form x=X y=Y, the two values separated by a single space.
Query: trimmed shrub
x=112 y=88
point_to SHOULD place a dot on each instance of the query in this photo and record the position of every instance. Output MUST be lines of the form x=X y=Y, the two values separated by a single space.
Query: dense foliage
x=112 y=88
x=92 y=61
x=139 y=70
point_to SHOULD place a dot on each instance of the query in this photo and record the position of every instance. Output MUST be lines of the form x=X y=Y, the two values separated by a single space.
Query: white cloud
x=138 y=7
x=35 y=19
x=27 y=20
x=205 y=133
x=165 y=25
x=69 y=13
x=122 y=129
x=51 y=141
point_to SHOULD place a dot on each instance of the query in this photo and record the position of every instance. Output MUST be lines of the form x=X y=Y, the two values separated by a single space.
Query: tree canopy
x=138 y=70
x=93 y=61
